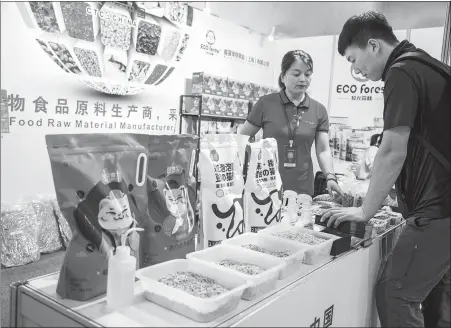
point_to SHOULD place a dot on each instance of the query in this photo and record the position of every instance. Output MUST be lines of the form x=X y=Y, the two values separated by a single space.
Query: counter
x=338 y=292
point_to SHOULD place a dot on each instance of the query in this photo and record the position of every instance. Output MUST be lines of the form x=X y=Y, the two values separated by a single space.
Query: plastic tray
x=259 y=284
x=293 y=263
x=196 y=308
x=314 y=254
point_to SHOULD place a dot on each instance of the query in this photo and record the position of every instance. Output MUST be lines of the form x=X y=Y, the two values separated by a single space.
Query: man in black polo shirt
x=414 y=153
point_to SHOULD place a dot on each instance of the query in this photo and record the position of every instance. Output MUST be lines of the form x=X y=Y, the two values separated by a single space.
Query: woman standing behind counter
x=295 y=120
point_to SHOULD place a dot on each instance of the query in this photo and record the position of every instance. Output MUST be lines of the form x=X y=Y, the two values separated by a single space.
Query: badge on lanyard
x=290 y=154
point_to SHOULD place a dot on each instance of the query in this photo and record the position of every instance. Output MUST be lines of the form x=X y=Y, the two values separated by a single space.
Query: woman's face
x=298 y=77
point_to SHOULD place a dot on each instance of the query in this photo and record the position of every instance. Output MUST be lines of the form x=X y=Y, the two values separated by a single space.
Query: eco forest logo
x=210 y=39
x=360 y=91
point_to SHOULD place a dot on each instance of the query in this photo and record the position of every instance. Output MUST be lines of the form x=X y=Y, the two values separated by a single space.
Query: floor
x=48 y=263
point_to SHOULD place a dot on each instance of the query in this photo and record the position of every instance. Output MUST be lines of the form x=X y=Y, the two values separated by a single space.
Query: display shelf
x=216 y=116
x=200 y=115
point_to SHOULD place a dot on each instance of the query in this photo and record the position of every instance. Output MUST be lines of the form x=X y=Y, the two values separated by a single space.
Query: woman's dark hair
x=376 y=139
x=360 y=28
x=288 y=60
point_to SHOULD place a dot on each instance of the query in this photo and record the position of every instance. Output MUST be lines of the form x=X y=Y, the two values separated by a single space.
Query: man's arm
x=386 y=169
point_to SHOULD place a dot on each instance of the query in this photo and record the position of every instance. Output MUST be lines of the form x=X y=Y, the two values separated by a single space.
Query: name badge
x=290 y=156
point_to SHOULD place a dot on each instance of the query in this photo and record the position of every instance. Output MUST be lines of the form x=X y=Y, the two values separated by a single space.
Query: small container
x=121 y=275
x=196 y=308
x=293 y=262
x=259 y=284
x=314 y=254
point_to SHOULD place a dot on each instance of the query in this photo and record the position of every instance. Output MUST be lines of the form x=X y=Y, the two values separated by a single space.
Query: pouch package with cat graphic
x=100 y=183
x=171 y=189
x=221 y=189
x=263 y=188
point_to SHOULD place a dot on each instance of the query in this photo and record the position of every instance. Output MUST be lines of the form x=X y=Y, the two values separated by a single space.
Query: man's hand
x=339 y=215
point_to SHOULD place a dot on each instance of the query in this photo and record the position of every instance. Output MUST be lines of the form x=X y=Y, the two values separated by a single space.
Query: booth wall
x=28 y=73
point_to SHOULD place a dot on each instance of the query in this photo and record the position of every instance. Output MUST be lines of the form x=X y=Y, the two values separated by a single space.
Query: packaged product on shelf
x=263 y=189
x=100 y=183
x=19 y=229
x=248 y=90
x=191 y=105
x=171 y=190
x=207 y=83
x=49 y=238
x=90 y=56
x=228 y=107
x=345 y=132
x=208 y=104
x=80 y=20
x=242 y=107
x=260 y=91
x=47 y=15
x=232 y=88
x=221 y=189
x=115 y=33
x=242 y=89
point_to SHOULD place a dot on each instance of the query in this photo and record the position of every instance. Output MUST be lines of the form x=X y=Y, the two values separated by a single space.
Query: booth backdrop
x=33 y=88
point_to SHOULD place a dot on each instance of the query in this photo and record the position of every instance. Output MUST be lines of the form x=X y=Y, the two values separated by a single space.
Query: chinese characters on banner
x=224 y=175
x=327 y=321
x=230 y=54
x=61 y=113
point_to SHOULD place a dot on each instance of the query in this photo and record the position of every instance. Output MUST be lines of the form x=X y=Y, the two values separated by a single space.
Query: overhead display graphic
x=120 y=48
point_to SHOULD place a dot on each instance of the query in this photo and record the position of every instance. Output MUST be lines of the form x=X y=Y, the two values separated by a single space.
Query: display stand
x=195 y=116
x=339 y=292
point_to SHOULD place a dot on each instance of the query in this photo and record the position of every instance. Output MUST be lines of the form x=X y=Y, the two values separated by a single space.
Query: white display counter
x=336 y=293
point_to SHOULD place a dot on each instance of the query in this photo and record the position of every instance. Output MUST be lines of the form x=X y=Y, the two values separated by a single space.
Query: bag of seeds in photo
x=263 y=189
x=221 y=189
x=171 y=226
x=100 y=183
x=18 y=234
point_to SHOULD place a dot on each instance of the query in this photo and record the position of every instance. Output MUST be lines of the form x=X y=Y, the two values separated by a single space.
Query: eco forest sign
x=364 y=90
x=211 y=49
x=17 y=112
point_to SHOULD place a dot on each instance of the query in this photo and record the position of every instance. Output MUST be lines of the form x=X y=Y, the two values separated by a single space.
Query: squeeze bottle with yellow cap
x=121 y=275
